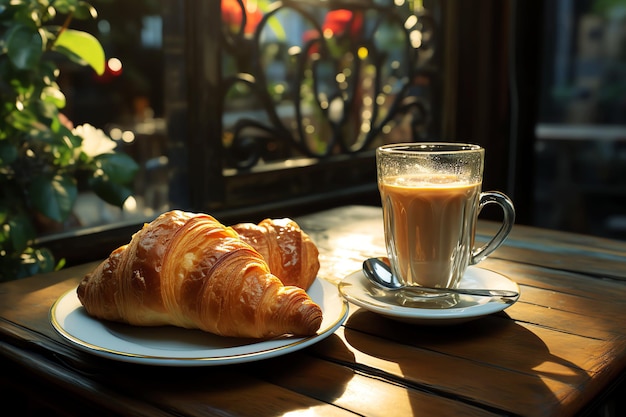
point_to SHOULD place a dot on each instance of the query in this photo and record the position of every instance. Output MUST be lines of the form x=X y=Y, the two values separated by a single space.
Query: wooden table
x=559 y=351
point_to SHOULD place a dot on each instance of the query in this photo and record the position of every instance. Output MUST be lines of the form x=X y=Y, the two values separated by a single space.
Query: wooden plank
x=565 y=362
x=562 y=242
x=605 y=326
x=361 y=392
x=494 y=340
x=450 y=375
x=563 y=251
x=559 y=281
x=139 y=390
x=233 y=393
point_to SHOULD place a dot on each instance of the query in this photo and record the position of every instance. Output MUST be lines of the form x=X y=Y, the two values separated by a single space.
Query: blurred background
x=542 y=85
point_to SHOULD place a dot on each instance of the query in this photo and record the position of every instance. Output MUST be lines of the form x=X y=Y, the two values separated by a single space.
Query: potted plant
x=43 y=158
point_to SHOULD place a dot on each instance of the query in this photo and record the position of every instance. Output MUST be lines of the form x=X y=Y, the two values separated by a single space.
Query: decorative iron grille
x=288 y=99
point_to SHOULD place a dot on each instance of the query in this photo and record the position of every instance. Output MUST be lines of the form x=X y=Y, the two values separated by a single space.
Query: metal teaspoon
x=378 y=272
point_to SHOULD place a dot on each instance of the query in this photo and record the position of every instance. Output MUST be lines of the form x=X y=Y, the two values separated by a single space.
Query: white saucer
x=172 y=346
x=358 y=290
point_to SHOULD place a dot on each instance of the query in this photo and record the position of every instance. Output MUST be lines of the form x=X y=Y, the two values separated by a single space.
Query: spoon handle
x=466 y=291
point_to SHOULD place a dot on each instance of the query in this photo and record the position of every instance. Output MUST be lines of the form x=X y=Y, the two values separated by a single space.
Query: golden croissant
x=189 y=270
x=289 y=252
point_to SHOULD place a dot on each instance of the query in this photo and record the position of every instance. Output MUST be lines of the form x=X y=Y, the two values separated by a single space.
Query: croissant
x=289 y=252
x=189 y=270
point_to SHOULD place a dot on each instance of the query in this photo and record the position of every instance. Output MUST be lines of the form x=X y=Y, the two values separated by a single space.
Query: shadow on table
x=288 y=383
x=469 y=362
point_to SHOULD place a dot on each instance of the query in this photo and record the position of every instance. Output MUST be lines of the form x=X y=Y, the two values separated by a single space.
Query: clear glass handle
x=495 y=197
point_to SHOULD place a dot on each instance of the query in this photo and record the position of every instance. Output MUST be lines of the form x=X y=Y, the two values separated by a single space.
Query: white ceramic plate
x=458 y=309
x=172 y=346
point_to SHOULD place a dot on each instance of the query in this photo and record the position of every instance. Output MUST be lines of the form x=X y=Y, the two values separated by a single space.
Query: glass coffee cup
x=431 y=197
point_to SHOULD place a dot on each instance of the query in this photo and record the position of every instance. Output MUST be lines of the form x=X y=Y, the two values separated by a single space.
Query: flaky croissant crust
x=289 y=252
x=189 y=270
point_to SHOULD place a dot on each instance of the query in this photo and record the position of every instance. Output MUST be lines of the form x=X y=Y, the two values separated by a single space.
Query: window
x=304 y=92
x=252 y=108
x=581 y=147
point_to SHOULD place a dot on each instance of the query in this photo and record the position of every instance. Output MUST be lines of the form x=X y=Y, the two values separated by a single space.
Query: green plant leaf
x=63 y=7
x=48 y=108
x=22 y=120
x=53 y=96
x=54 y=197
x=21 y=232
x=84 y=45
x=85 y=11
x=110 y=192
x=35 y=261
x=24 y=47
x=118 y=167
x=45 y=260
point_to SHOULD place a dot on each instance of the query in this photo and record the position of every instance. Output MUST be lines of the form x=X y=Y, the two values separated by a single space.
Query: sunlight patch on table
x=320 y=410
x=365 y=394
x=348 y=255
